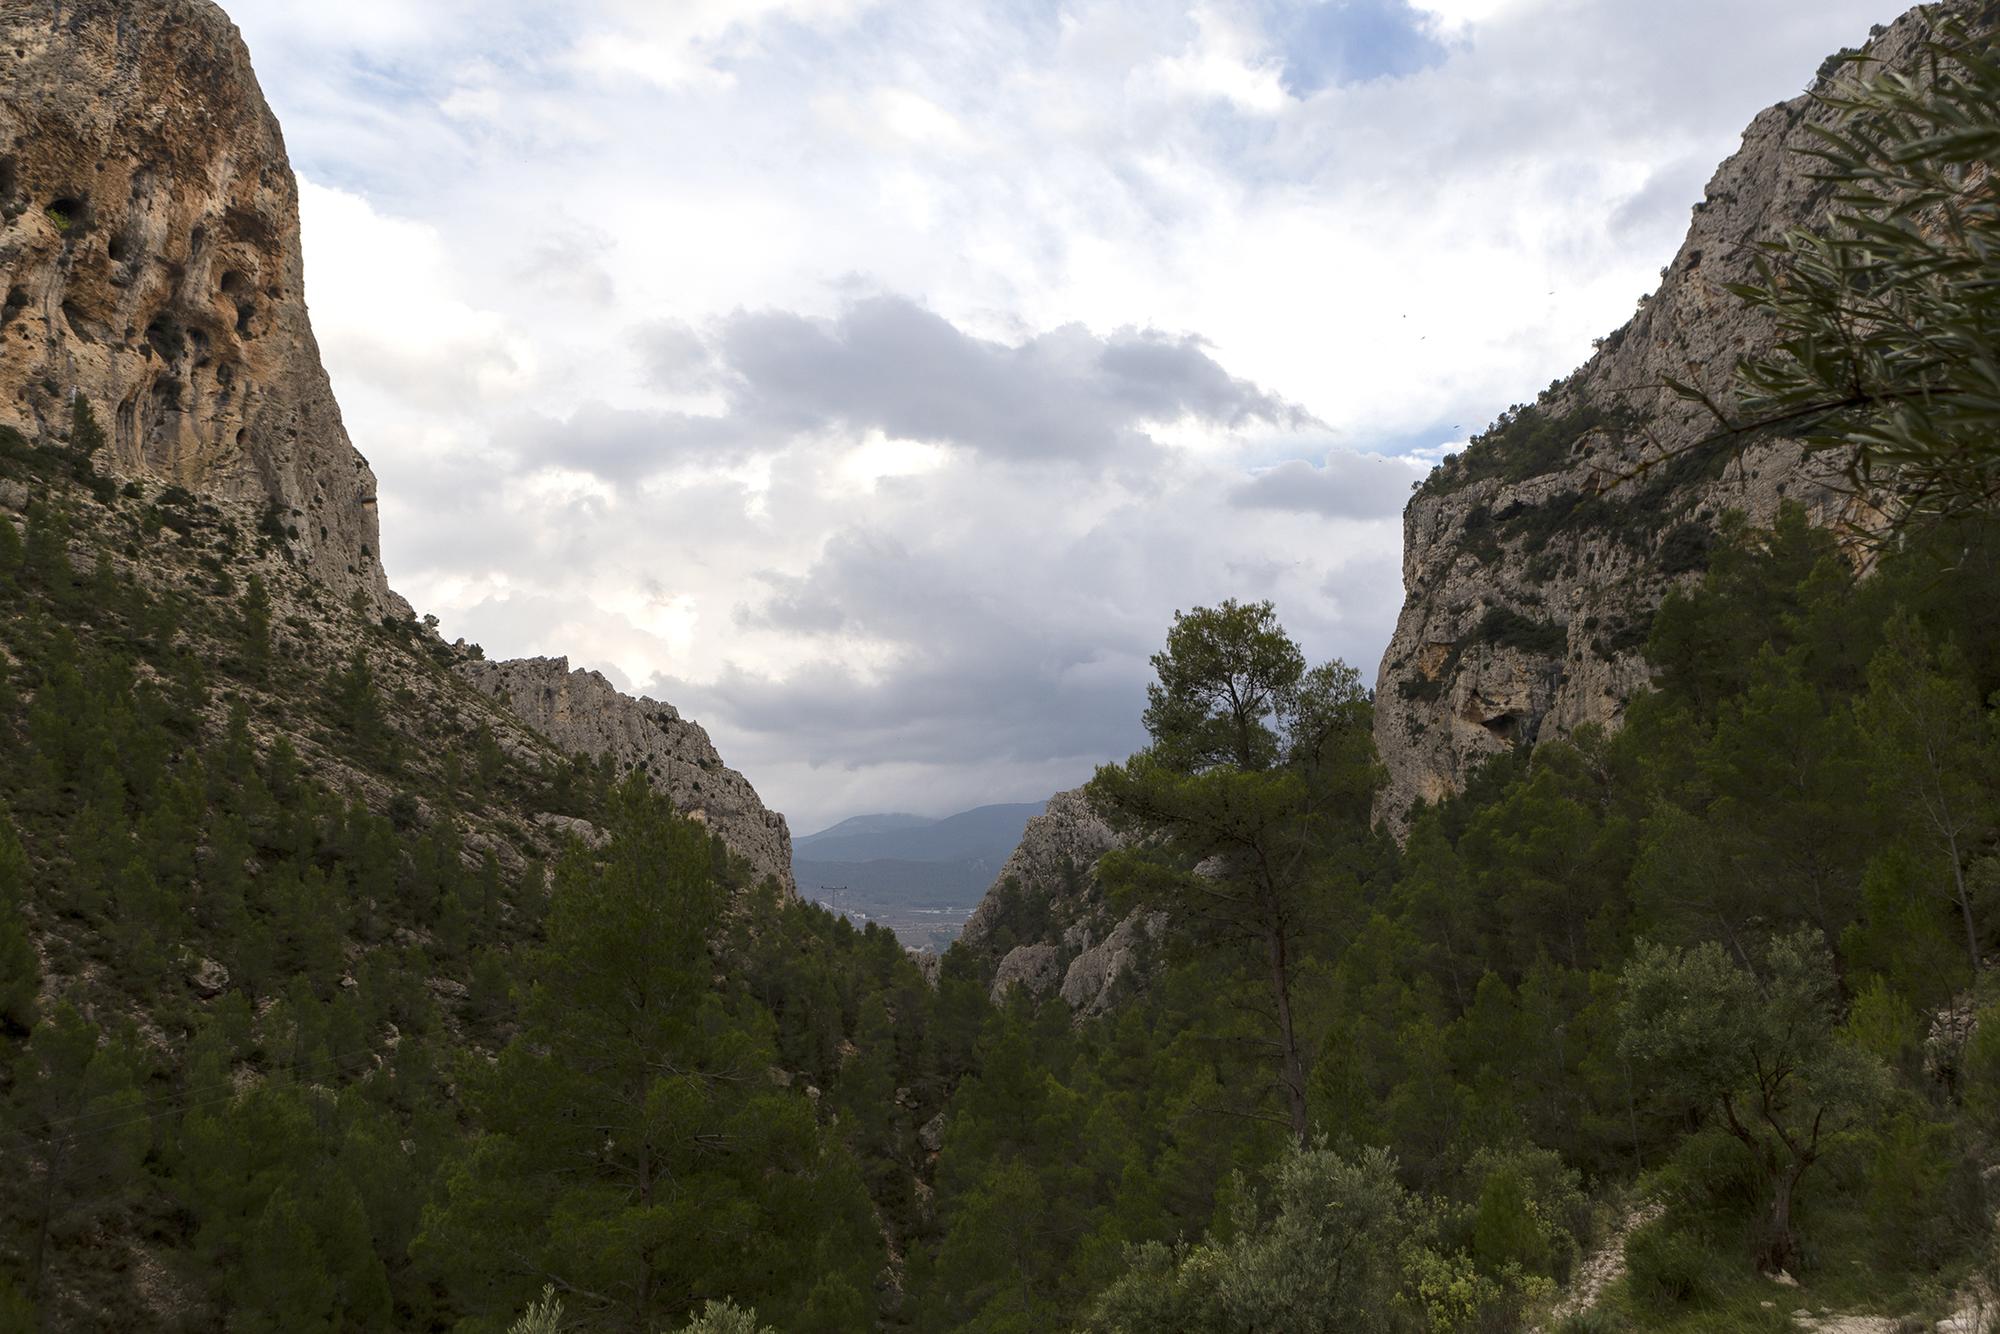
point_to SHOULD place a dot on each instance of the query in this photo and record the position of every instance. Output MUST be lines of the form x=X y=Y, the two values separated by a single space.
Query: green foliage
x=1887 y=318
x=726 y=1318
x=256 y=612
x=86 y=437
x=1330 y=1257
x=1228 y=678
x=634 y=1145
x=543 y=1316
x=1504 y=627
x=1526 y=442
x=75 y=1102
x=1667 y=1268
x=1935 y=759
x=20 y=970
x=1760 y=1052
x=1259 y=769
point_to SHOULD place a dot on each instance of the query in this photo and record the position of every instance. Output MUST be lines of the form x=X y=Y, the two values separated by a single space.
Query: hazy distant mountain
x=894 y=860
x=870 y=824
x=985 y=832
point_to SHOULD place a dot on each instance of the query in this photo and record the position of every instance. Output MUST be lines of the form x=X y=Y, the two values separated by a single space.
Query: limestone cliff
x=149 y=252
x=1533 y=562
x=583 y=713
x=1045 y=924
x=150 y=255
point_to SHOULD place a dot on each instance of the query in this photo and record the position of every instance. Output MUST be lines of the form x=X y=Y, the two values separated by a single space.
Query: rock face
x=1534 y=561
x=1045 y=921
x=149 y=254
x=584 y=714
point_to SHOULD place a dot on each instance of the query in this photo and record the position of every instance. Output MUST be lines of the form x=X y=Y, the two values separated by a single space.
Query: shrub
x=1666 y=1268
x=1503 y=627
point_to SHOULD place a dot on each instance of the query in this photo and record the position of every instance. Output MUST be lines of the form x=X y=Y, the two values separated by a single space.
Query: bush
x=1924 y=1198
x=1666 y=1268
x=1503 y=627
x=1711 y=1175
x=1596 y=1320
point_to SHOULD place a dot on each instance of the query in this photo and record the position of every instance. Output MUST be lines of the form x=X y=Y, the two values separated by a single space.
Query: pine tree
x=256 y=612
x=635 y=1146
x=1256 y=765
x=20 y=969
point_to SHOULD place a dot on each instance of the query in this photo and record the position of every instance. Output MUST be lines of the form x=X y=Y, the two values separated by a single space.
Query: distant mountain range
x=901 y=860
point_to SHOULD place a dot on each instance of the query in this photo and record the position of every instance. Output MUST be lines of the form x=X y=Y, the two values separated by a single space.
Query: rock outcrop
x=150 y=260
x=1533 y=562
x=1045 y=924
x=584 y=714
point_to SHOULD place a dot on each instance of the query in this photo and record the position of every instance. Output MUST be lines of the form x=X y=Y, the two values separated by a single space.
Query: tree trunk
x=1292 y=1072
x=1781 y=1247
x=1964 y=905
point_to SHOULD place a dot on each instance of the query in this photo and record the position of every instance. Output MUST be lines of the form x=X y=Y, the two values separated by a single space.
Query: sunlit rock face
x=149 y=255
x=1531 y=578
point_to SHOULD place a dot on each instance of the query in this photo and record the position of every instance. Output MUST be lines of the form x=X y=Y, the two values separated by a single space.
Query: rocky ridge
x=584 y=713
x=1533 y=562
x=151 y=262
x=1045 y=925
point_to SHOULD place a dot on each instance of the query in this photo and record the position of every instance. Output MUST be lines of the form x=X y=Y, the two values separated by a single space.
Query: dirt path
x=1600 y=1269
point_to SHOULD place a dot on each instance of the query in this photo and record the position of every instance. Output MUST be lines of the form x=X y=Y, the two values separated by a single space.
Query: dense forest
x=302 y=1046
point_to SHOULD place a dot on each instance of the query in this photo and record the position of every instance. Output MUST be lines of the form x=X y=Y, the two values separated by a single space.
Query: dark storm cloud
x=887 y=364
x=1346 y=486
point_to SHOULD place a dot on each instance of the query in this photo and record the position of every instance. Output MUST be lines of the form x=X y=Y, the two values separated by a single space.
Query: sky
x=873 y=379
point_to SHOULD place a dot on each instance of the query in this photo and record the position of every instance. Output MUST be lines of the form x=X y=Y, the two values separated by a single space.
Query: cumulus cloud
x=887 y=364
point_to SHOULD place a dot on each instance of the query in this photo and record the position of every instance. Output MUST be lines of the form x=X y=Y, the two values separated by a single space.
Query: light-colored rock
x=1091 y=983
x=149 y=259
x=584 y=714
x=1085 y=951
x=1445 y=700
x=1055 y=862
x=1038 y=968
x=931 y=1134
x=209 y=978
x=566 y=827
x=1951 y=1028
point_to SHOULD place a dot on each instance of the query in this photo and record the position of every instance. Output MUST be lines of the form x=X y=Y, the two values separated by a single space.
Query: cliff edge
x=1533 y=561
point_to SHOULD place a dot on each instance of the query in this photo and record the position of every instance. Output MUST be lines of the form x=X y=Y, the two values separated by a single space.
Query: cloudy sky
x=872 y=379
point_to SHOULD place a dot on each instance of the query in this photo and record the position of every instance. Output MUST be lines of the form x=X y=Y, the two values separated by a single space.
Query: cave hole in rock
x=10 y=179
x=166 y=338
x=196 y=238
x=17 y=301
x=81 y=324
x=120 y=247
x=1506 y=728
x=246 y=313
x=128 y=426
x=70 y=214
x=234 y=285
